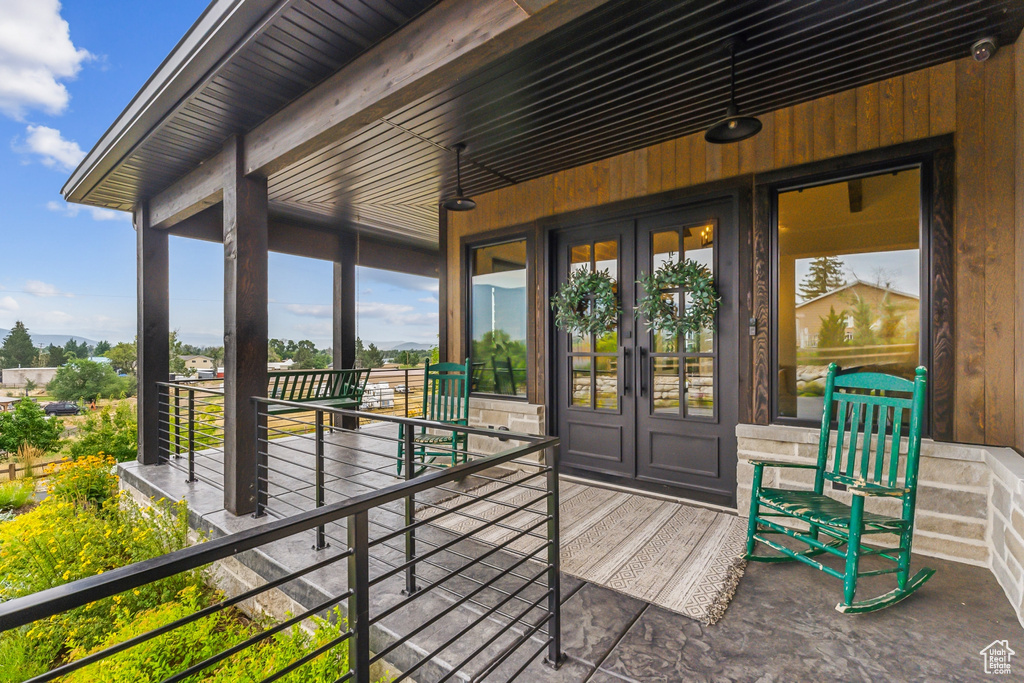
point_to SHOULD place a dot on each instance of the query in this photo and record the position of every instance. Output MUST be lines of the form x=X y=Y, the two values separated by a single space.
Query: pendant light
x=460 y=202
x=733 y=127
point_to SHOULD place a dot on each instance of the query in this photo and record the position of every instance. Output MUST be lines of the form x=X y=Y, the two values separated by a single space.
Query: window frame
x=798 y=181
x=471 y=243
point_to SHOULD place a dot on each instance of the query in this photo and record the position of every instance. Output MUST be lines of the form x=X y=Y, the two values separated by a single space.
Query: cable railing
x=442 y=573
x=191 y=429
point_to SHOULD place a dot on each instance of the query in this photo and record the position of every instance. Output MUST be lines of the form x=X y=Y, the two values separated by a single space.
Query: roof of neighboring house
x=195 y=357
x=855 y=283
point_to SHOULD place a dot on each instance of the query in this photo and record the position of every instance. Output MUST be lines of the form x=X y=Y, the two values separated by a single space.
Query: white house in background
x=277 y=366
x=17 y=377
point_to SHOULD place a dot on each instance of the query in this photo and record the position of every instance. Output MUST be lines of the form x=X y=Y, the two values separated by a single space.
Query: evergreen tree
x=101 y=347
x=826 y=274
x=55 y=356
x=863 y=317
x=17 y=350
x=832 y=332
x=369 y=356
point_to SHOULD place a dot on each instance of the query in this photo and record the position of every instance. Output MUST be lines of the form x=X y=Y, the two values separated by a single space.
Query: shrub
x=16 y=494
x=89 y=480
x=28 y=425
x=61 y=541
x=114 y=431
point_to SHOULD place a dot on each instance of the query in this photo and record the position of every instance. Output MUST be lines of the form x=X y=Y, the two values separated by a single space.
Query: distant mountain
x=400 y=346
x=55 y=339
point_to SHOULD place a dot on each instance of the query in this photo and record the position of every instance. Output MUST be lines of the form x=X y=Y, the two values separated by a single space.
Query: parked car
x=62 y=408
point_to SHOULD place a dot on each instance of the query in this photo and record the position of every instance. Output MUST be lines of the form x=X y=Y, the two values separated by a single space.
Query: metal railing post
x=191 y=436
x=164 y=425
x=177 y=423
x=321 y=536
x=407 y=392
x=359 y=599
x=410 y=511
x=555 y=656
x=262 y=471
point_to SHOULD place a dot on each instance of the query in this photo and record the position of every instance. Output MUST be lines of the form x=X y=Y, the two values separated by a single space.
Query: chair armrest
x=793 y=465
x=876 y=490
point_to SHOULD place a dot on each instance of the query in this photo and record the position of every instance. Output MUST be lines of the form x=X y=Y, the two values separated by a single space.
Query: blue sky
x=66 y=72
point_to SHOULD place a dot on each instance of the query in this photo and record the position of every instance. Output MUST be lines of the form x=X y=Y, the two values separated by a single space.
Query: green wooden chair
x=445 y=399
x=870 y=409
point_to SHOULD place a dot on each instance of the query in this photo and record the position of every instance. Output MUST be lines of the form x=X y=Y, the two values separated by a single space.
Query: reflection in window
x=849 y=284
x=498 y=319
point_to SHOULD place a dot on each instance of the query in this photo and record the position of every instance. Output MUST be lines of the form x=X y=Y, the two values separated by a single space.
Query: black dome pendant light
x=733 y=127
x=460 y=202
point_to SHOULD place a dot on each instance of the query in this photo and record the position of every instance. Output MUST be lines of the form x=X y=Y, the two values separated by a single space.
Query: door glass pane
x=666 y=342
x=579 y=257
x=699 y=246
x=607 y=376
x=606 y=258
x=700 y=387
x=664 y=248
x=579 y=368
x=665 y=387
x=498 y=318
x=849 y=284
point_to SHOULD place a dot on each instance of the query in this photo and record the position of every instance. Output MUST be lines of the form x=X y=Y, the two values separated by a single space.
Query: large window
x=848 y=280
x=498 y=319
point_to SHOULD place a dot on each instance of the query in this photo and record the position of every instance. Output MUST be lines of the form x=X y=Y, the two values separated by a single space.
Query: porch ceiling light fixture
x=460 y=202
x=733 y=127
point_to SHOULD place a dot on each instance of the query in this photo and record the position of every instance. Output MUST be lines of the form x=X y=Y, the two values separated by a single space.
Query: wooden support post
x=345 y=311
x=245 y=326
x=153 y=363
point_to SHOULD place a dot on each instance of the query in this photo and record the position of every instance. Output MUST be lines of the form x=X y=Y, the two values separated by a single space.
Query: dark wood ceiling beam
x=198 y=190
x=450 y=41
x=287 y=236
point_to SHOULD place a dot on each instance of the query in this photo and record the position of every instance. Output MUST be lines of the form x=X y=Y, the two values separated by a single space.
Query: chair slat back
x=446 y=393
x=869 y=409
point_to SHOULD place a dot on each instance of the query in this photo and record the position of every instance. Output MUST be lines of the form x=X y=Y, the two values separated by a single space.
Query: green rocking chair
x=870 y=407
x=445 y=399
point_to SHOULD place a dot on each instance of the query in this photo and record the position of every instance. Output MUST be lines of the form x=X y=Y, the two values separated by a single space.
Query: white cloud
x=311 y=310
x=51 y=147
x=428 y=300
x=392 y=314
x=97 y=213
x=8 y=303
x=36 y=54
x=43 y=289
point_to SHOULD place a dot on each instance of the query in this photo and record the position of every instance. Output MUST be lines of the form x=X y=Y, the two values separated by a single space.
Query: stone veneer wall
x=516 y=416
x=970 y=499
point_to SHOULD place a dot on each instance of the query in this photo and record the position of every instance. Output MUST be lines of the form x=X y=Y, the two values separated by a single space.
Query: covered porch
x=341 y=131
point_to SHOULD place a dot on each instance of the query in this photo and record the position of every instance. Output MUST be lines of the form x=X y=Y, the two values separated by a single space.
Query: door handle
x=627 y=371
x=643 y=370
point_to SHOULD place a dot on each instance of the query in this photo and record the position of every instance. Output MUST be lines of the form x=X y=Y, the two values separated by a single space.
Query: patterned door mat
x=683 y=558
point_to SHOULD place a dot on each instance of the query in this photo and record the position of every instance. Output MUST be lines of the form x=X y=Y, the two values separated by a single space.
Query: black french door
x=645 y=409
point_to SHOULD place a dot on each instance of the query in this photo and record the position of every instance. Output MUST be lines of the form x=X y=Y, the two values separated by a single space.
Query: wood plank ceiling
x=626 y=76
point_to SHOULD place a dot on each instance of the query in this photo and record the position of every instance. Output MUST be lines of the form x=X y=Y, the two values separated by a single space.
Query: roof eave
x=214 y=35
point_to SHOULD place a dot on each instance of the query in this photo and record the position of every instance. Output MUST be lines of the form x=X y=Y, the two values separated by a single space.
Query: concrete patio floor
x=781 y=625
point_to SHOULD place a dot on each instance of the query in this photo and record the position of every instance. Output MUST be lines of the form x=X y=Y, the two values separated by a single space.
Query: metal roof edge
x=214 y=34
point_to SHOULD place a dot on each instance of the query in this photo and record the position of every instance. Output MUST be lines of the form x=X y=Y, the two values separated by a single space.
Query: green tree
x=825 y=275
x=28 y=425
x=177 y=362
x=435 y=355
x=17 y=350
x=84 y=380
x=113 y=431
x=55 y=356
x=863 y=318
x=832 y=332
x=30 y=386
x=101 y=348
x=891 y=315
x=73 y=349
x=123 y=358
x=369 y=356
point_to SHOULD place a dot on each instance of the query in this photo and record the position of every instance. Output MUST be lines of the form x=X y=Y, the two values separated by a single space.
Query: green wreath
x=660 y=310
x=586 y=303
